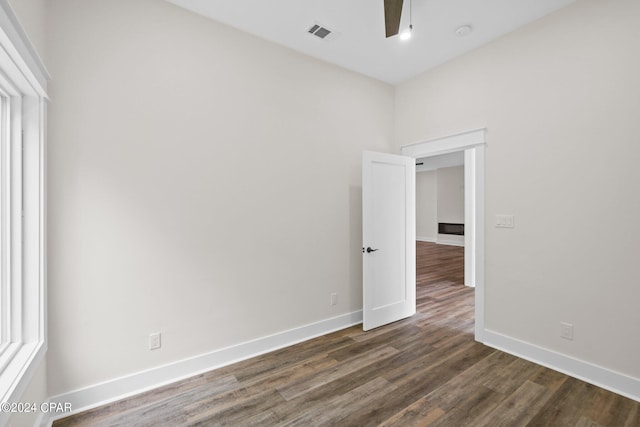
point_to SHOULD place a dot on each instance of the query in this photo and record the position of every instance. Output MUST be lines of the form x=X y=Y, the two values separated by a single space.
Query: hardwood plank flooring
x=422 y=371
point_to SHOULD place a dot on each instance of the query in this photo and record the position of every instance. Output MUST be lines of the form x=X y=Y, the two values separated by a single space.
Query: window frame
x=23 y=332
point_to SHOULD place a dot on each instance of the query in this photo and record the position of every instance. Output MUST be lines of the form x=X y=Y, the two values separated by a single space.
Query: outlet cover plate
x=154 y=341
x=566 y=331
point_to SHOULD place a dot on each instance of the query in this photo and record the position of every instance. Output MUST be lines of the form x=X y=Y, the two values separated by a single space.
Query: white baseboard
x=439 y=241
x=597 y=375
x=449 y=242
x=119 y=388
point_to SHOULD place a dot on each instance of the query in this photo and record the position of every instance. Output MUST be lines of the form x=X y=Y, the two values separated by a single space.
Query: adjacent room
x=183 y=212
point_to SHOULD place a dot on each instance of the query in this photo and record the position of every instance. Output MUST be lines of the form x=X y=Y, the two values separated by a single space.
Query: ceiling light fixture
x=465 y=30
x=406 y=34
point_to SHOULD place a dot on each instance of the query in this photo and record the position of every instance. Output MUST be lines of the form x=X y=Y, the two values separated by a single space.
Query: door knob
x=369 y=250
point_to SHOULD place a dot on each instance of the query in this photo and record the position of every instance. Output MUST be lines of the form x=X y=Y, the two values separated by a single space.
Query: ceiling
x=357 y=41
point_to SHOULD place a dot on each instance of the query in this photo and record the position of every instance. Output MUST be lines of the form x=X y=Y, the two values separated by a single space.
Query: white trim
x=21 y=46
x=41 y=419
x=23 y=69
x=446 y=144
x=119 y=388
x=593 y=374
x=426 y=239
x=449 y=242
x=473 y=144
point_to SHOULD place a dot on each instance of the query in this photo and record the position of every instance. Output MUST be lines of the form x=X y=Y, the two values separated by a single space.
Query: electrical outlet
x=154 y=341
x=566 y=331
x=334 y=299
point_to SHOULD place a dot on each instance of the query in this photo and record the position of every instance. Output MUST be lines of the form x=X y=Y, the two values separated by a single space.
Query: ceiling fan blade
x=392 y=14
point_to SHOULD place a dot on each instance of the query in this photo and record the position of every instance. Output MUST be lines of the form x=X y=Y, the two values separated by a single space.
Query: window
x=22 y=226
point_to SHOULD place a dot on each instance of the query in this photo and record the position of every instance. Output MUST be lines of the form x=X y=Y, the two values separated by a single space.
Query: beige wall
x=200 y=180
x=32 y=17
x=560 y=101
x=191 y=181
x=426 y=206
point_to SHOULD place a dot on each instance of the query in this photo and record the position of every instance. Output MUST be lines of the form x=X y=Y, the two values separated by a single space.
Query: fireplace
x=449 y=228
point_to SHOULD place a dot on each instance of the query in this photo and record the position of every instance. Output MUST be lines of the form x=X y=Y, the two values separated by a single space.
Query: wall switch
x=154 y=341
x=566 y=331
x=505 y=221
x=334 y=299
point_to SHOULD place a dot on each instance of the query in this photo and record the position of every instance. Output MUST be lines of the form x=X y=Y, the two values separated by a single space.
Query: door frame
x=473 y=144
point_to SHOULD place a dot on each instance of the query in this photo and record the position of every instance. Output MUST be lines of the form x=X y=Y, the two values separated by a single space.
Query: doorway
x=472 y=144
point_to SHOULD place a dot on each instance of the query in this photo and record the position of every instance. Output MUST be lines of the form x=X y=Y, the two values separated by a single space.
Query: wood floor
x=423 y=371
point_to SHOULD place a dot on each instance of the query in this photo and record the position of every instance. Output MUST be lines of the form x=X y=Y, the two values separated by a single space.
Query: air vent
x=319 y=31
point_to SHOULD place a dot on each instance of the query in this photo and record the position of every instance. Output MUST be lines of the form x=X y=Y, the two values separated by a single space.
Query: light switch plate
x=505 y=221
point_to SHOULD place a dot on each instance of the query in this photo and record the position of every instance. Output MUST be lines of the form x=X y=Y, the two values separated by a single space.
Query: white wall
x=426 y=206
x=203 y=183
x=560 y=101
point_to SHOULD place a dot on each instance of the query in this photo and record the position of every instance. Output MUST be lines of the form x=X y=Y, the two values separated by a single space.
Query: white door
x=388 y=238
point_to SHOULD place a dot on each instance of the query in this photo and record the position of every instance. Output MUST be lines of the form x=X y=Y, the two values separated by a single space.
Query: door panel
x=388 y=193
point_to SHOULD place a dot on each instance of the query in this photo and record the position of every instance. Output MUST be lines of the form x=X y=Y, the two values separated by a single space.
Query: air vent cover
x=320 y=31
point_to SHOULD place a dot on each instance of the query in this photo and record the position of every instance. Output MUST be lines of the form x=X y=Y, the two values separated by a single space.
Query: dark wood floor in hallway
x=422 y=371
